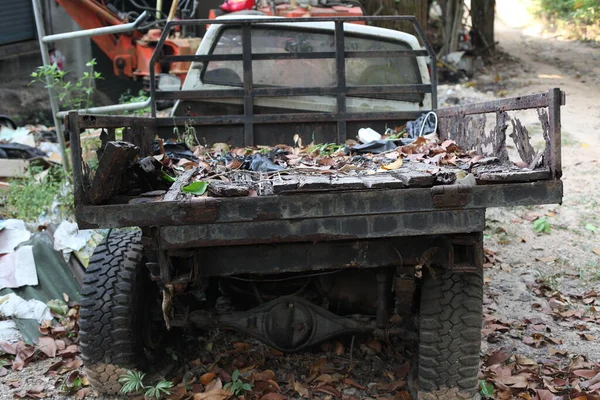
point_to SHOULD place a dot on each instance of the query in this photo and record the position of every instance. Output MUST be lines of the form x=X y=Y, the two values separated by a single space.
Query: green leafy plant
x=71 y=94
x=162 y=388
x=486 y=389
x=237 y=386
x=132 y=381
x=188 y=136
x=591 y=227
x=325 y=149
x=195 y=188
x=166 y=177
x=31 y=197
x=128 y=98
x=542 y=225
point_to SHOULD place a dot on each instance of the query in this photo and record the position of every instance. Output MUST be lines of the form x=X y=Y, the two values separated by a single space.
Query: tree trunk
x=482 y=15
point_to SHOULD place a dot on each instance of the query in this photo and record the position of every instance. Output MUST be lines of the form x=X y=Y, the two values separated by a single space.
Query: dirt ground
x=534 y=282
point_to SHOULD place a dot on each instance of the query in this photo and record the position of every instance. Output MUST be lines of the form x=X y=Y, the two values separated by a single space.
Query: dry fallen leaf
x=597 y=251
x=207 y=378
x=47 y=346
x=395 y=165
x=353 y=383
x=301 y=389
x=215 y=394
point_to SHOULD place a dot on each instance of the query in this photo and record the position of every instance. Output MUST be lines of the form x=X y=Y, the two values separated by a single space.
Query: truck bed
x=314 y=204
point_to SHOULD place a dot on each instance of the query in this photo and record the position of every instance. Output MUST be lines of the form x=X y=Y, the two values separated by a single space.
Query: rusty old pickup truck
x=301 y=255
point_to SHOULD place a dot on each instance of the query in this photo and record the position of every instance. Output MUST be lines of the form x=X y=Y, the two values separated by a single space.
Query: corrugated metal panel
x=16 y=21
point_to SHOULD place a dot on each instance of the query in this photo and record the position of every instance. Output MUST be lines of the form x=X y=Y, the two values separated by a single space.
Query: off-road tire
x=449 y=335
x=110 y=317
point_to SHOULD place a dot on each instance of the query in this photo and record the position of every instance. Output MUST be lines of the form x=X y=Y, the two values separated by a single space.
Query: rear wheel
x=115 y=301
x=450 y=335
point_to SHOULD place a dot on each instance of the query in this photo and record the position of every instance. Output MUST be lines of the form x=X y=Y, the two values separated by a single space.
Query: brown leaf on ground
x=597 y=251
x=301 y=389
x=266 y=375
x=47 y=346
x=81 y=393
x=498 y=357
x=178 y=392
x=3 y=372
x=214 y=385
x=516 y=382
x=375 y=345
x=274 y=384
x=326 y=378
x=524 y=361
x=240 y=347
x=328 y=389
x=215 y=394
x=339 y=349
x=588 y=337
x=392 y=386
x=316 y=366
x=273 y=396
x=353 y=383
x=207 y=378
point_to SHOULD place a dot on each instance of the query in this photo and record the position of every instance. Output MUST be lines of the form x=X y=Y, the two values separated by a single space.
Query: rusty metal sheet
x=323 y=229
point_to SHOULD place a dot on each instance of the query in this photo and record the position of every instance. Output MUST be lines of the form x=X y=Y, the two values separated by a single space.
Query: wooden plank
x=514 y=103
x=283 y=184
x=346 y=183
x=513 y=176
x=182 y=180
x=312 y=182
x=382 y=181
x=414 y=179
x=228 y=189
x=309 y=205
x=108 y=179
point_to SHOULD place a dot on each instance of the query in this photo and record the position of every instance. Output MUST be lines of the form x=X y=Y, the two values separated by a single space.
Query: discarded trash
x=69 y=238
x=366 y=135
x=261 y=163
x=18 y=268
x=12 y=233
x=423 y=125
x=373 y=147
x=9 y=332
x=13 y=306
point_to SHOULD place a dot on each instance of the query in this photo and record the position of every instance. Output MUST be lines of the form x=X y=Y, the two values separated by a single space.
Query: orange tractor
x=130 y=52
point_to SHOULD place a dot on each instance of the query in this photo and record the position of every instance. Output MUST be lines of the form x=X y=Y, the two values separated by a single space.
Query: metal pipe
x=173 y=9
x=109 y=109
x=107 y=30
x=159 y=5
x=39 y=22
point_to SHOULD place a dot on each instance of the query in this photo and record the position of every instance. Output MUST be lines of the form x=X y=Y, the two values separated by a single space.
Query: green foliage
x=133 y=381
x=591 y=227
x=486 y=389
x=128 y=98
x=28 y=198
x=237 y=386
x=166 y=177
x=188 y=136
x=542 y=225
x=584 y=12
x=195 y=188
x=162 y=388
x=71 y=94
x=325 y=149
